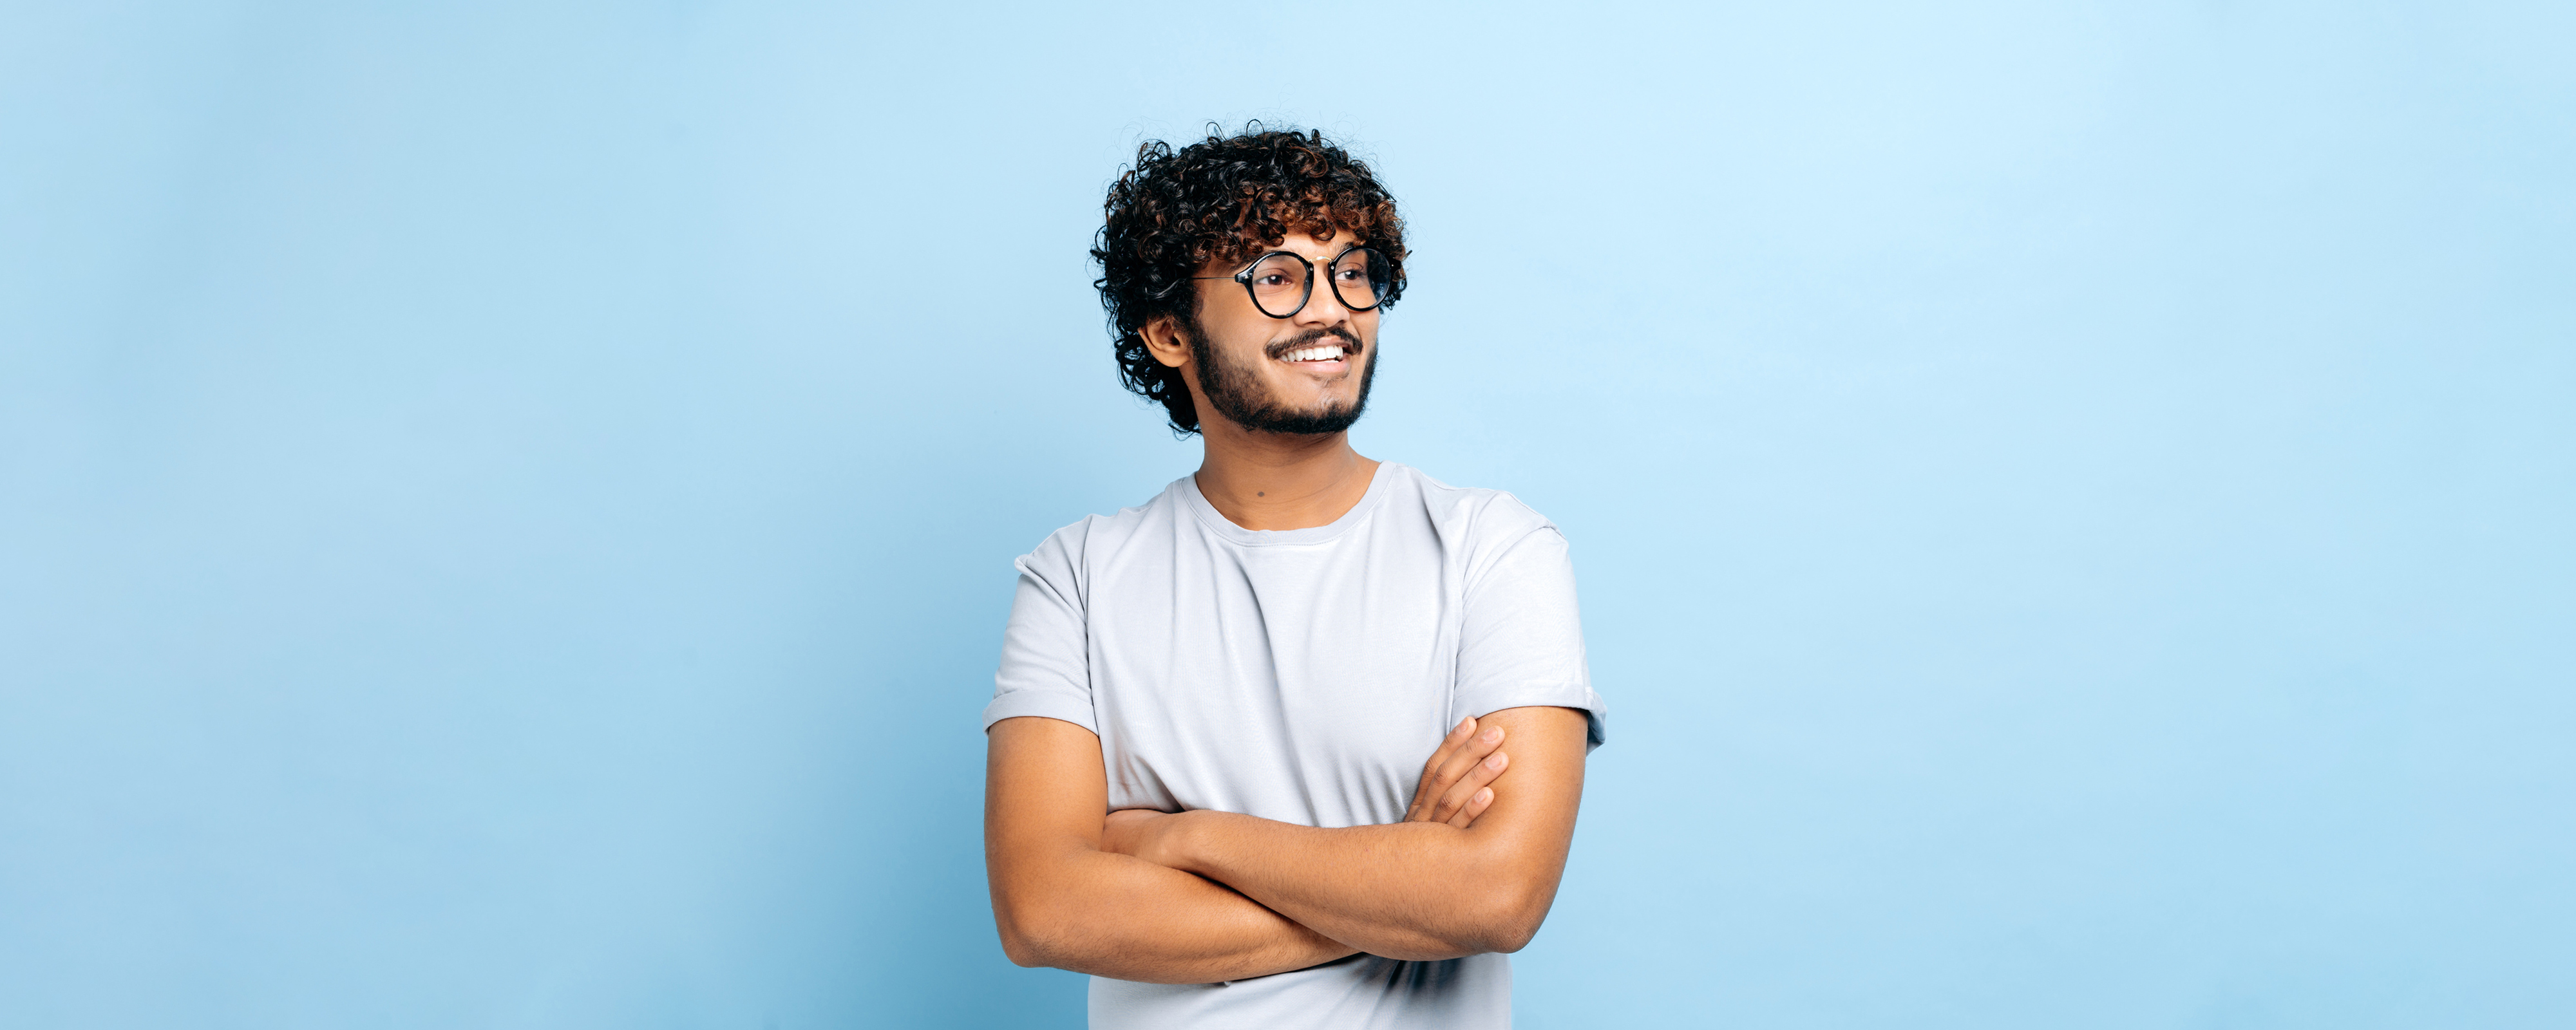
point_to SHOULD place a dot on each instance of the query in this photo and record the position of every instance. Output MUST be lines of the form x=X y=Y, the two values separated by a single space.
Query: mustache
x=1350 y=341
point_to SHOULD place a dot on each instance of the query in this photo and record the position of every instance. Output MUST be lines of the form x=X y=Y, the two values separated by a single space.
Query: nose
x=1324 y=306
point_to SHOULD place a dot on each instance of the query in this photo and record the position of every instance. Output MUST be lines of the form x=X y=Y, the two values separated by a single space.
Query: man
x=1207 y=784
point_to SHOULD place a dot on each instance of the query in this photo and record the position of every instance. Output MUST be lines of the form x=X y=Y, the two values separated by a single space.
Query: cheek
x=1238 y=339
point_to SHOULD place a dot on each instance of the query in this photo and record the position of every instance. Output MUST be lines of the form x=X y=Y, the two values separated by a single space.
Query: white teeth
x=1314 y=354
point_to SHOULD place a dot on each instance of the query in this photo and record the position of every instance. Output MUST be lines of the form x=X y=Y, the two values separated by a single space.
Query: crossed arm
x=1203 y=896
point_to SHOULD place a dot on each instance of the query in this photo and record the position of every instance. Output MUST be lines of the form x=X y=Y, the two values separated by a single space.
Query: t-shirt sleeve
x=1046 y=667
x=1522 y=643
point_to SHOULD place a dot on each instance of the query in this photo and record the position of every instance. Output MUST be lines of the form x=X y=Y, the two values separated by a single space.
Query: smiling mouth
x=1328 y=352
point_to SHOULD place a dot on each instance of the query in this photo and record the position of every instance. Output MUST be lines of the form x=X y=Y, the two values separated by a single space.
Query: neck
x=1280 y=480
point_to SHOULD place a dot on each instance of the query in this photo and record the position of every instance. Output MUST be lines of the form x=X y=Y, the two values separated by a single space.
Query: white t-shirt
x=1300 y=676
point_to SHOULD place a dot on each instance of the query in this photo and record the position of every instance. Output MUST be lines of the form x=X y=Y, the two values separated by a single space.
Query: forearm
x=1128 y=919
x=1418 y=890
x=1060 y=900
x=1413 y=890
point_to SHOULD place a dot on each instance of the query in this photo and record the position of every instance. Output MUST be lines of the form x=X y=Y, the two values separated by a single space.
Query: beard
x=1237 y=392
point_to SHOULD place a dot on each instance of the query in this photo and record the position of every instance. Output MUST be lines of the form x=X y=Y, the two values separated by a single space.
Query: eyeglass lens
x=1360 y=278
x=1279 y=283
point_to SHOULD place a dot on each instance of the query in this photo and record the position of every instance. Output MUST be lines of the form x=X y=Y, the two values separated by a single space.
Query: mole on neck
x=1316 y=484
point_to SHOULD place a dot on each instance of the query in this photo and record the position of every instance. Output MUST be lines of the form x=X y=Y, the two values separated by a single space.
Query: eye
x=1278 y=274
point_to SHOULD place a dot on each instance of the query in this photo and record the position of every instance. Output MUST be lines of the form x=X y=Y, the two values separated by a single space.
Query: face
x=1307 y=373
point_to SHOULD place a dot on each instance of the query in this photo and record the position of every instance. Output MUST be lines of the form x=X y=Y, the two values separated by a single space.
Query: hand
x=1139 y=832
x=1454 y=786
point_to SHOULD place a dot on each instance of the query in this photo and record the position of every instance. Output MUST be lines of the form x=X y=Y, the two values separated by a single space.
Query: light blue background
x=506 y=510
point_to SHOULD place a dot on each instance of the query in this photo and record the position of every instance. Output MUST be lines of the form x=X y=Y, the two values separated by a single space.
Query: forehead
x=1245 y=248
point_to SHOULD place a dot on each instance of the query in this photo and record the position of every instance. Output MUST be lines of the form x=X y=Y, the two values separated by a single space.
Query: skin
x=1410 y=890
x=1204 y=896
x=1276 y=480
x=1064 y=895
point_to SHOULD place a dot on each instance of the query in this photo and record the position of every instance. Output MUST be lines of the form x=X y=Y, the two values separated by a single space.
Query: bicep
x=1532 y=816
x=1045 y=792
x=1522 y=839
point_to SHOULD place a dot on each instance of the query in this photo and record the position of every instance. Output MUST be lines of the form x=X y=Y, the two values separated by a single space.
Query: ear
x=1163 y=340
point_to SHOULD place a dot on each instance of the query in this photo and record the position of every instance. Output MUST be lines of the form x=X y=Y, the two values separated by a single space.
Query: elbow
x=1510 y=936
x=1512 y=916
x=1031 y=935
x=1024 y=950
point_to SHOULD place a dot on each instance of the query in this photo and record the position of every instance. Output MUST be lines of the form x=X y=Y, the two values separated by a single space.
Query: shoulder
x=1475 y=516
x=1484 y=529
x=1068 y=553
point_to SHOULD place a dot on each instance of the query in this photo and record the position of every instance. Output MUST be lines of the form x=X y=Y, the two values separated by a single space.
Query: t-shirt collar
x=1216 y=522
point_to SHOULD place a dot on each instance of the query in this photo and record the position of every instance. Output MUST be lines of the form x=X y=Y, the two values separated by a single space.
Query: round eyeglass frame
x=1309 y=264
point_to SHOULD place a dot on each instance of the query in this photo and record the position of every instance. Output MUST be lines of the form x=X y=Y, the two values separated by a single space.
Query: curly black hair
x=1225 y=198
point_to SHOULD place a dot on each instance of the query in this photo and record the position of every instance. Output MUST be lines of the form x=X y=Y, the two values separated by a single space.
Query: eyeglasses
x=1281 y=282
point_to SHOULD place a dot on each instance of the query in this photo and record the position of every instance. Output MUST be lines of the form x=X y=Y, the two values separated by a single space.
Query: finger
x=1476 y=806
x=1460 y=762
x=1431 y=766
x=1454 y=771
x=1477 y=777
x=1457 y=735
